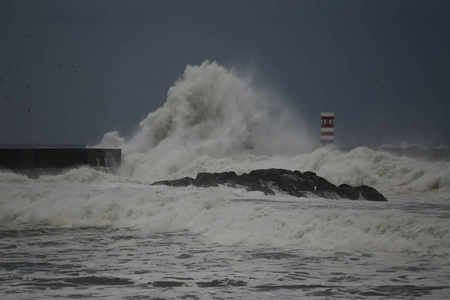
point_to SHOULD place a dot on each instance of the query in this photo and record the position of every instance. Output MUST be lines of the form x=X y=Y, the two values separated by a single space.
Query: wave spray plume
x=210 y=112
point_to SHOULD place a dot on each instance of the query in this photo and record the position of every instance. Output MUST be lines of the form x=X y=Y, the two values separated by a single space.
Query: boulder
x=271 y=181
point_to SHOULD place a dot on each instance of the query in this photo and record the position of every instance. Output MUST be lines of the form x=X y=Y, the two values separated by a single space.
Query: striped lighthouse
x=327 y=129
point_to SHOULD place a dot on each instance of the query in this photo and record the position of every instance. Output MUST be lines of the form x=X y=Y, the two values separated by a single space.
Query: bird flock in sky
x=16 y=84
x=9 y=81
x=16 y=89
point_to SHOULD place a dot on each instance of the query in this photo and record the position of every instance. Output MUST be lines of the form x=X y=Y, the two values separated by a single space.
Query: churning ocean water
x=89 y=234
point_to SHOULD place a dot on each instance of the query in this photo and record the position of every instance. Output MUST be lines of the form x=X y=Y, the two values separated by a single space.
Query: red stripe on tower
x=327 y=128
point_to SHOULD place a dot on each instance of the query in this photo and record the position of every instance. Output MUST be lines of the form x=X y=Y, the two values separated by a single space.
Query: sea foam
x=210 y=113
x=215 y=121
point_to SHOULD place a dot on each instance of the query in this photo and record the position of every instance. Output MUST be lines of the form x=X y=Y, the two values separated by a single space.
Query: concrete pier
x=34 y=162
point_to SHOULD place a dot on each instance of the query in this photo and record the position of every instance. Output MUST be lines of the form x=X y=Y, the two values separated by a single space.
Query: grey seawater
x=38 y=262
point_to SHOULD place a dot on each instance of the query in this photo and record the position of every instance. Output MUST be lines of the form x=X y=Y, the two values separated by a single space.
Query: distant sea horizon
x=415 y=151
x=42 y=145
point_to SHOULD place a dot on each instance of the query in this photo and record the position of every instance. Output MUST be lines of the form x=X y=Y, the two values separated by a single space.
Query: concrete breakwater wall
x=34 y=162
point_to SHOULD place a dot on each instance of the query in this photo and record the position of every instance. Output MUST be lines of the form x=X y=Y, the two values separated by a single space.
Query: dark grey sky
x=84 y=68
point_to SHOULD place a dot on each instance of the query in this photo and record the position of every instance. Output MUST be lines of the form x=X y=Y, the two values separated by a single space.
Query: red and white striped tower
x=327 y=129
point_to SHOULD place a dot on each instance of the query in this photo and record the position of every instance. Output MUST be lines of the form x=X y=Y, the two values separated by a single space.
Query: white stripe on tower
x=327 y=128
x=327 y=138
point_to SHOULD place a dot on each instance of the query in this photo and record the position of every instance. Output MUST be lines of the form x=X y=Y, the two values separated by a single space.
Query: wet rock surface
x=272 y=181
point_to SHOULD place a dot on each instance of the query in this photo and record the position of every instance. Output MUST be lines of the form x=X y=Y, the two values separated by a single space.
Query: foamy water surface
x=89 y=234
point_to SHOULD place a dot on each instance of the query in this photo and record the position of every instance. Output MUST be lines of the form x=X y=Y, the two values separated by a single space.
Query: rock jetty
x=272 y=181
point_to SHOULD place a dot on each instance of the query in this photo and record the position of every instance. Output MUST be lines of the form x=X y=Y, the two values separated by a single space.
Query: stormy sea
x=87 y=233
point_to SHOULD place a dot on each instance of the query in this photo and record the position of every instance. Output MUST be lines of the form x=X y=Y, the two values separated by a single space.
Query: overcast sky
x=73 y=70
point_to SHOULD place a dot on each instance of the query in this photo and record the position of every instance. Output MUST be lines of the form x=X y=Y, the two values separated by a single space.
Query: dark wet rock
x=349 y=192
x=368 y=192
x=213 y=179
x=271 y=181
x=178 y=182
